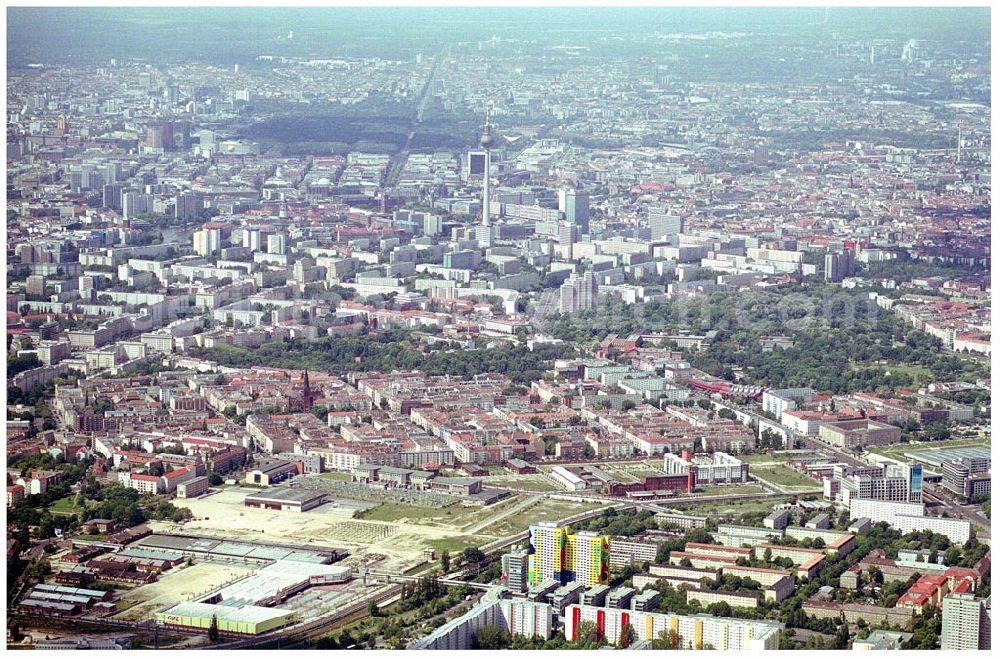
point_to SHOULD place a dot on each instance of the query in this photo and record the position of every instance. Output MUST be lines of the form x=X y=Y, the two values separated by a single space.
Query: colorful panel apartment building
x=589 y=559
x=558 y=554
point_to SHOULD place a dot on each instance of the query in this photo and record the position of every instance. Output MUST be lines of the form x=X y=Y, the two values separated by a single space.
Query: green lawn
x=545 y=510
x=454 y=545
x=337 y=476
x=454 y=516
x=735 y=507
x=783 y=476
x=919 y=374
x=728 y=489
x=66 y=506
x=421 y=567
x=753 y=459
x=534 y=483
x=394 y=512
x=462 y=516
x=624 y=476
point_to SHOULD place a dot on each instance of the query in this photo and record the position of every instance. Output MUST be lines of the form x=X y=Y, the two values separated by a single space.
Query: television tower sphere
x=487 y=138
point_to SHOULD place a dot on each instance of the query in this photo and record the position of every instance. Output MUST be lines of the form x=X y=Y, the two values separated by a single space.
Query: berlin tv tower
x=486 y=140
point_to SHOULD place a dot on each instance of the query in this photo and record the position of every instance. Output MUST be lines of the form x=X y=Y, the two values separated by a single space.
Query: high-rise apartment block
x=965 y=623
x=579 y=292
x=188 y=206
x=663 y=225
x=515 y=570
x=575 y=205
x=838 y=265
x=558 y=554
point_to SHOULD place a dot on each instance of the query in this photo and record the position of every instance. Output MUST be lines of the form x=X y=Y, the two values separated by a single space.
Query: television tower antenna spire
x=486 y=141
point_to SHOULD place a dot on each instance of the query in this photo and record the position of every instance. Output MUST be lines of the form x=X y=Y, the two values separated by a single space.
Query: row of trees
x=423 y=606
x=588 y=637
x=388 y=352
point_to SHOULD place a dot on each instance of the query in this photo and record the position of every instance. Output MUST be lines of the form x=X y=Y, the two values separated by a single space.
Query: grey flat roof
x=247 y=614
x=68 y=590
x=568 y=588
x=395 y=470
x=137 y=552
x=47 y=604
x=295 y=495
x=456 y=480
x=936 y=457
x=276 y=577
x=63 y=597
x=270 y=550
x=621 y=590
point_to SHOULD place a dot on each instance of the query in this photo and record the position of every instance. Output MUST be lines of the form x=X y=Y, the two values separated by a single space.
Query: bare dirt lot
x=331 y=525
x=178 y=584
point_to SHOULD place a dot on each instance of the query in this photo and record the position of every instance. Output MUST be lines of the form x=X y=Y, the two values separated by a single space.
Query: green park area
x=68 y=505
x=764 y=458
x=453 y=545
x=454 y=516
x=337 y=476
x=727 y=490
x=783 y=476
x=739 y=507
x=544 y=510
x=532 y=483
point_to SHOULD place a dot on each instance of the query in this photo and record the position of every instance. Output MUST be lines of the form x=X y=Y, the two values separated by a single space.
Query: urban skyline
x=498 y=328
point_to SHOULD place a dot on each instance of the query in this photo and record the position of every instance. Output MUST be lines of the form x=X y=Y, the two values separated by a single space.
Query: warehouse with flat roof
x=286 y=498
x=246 y=552
x=278 y=581
x=231 y=620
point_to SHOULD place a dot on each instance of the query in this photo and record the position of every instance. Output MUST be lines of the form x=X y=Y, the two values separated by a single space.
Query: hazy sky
x=50 y=35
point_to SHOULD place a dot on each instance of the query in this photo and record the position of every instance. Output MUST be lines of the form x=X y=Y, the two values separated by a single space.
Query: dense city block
x=460 y=329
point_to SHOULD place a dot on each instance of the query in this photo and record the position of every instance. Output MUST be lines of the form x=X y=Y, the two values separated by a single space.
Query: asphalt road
x=398 y=161
x=973 y=514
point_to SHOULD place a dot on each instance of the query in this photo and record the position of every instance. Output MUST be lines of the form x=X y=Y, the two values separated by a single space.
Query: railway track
x=320 y=626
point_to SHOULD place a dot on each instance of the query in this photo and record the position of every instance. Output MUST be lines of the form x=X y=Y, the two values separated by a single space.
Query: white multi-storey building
x=965 y=622
x=579 y=292
x=518 y=617
x=696 y=632
x=777 y=401
x=907 y=517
